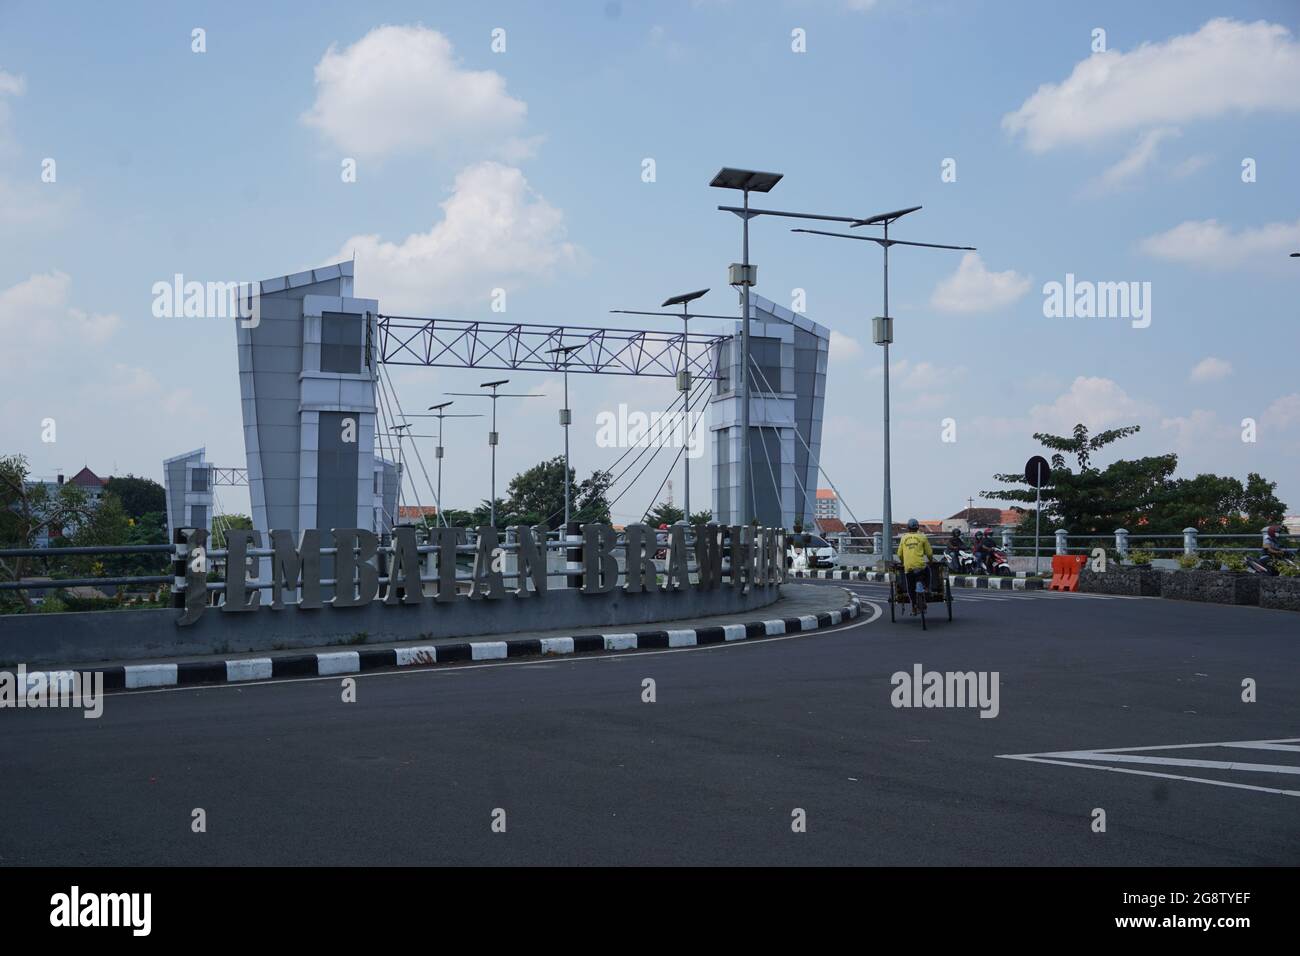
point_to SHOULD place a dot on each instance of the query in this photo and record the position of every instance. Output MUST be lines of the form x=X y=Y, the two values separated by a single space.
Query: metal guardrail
x=556 y=540
x=53 y=554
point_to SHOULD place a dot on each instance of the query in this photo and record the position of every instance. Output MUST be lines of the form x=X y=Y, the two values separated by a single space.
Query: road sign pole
x=1037 y=517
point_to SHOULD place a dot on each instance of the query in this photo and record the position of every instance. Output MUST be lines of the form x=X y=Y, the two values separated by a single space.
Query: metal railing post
x=1189 y=541
x=573 y=554
x=1121 y=542
x=1062 y=545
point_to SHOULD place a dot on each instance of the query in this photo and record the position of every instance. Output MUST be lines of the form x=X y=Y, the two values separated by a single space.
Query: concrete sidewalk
x=802 y=607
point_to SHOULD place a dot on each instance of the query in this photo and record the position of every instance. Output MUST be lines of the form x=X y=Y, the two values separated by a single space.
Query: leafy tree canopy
x=139 y=496
x=1140 y=494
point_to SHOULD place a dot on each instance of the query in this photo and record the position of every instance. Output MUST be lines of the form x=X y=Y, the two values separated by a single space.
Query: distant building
x=828 y=504
x=832 y=529
x=90 y=482
x=788 y=355
x=974 y=519
x=187 y=482
x=416 y=514
x=87 y=481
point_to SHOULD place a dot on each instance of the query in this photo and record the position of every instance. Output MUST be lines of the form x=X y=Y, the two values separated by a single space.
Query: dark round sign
x=1037 y=471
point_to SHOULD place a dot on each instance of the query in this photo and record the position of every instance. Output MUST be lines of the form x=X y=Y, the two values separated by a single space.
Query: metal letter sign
x=393 y=574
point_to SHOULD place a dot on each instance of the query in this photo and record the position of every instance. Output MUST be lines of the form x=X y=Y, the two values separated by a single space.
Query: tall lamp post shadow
x=883 y=334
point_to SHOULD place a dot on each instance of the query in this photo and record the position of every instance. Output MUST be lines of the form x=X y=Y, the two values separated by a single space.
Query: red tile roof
x=412 y=512
x=87 y=479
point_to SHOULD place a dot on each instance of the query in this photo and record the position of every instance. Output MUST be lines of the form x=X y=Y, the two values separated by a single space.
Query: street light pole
x=493 y=435
x=888 y=504
x=883 y=335
x=684 y=378
x=438 y=452
x=566 y=418
x=743 y=275
x=745 y=504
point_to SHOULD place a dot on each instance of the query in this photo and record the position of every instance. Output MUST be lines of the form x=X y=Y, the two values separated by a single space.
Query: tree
x=1089 y=501
x=536 y=496
x=664 y=513
x=701 y=517
x=32 y=510
x=1141 y=494
x=223 y=523
x=139 y=496
x=1080 y=445
x=593 y=501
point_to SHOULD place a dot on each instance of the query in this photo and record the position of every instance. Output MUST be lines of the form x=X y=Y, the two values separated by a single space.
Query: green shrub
x=1231 y=560
x=1141 y=557
x=1286 y=569
x=1188 y=562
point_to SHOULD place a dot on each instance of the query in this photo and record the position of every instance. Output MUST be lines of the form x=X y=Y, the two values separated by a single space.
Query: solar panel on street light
x=683 y=298
x=750 y=180
x=886 y=216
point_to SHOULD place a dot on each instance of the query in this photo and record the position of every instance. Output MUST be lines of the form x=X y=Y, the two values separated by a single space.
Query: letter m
x=708 y=555
x=223 y=300
x=1115 y=295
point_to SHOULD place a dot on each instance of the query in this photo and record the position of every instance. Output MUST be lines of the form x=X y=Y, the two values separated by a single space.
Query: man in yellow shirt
x=914 y=552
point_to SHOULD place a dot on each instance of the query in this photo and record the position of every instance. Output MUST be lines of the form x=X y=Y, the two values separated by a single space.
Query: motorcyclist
x=956 y=545
x=983 y=552
x=1272 y=549
x=915 y=552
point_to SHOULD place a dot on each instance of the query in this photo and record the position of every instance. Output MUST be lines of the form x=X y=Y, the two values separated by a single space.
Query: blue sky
x=523 y=170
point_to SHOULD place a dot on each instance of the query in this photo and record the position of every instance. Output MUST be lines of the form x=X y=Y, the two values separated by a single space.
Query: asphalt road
x=710 y=773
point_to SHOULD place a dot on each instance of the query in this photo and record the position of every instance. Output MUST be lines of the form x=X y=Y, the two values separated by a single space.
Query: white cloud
x=1198 y=429
x=1284 y=412
x=1190 y=165
x=972 y=288
x=844 y=348
x=10 y=85
x=401 y=89
x=38 y=325
x=1142 y=155
x=1096 y=402
x=1210 y=369
x=1209 y=243
x=1225 y=67
x=495 y=233
x=34 y=205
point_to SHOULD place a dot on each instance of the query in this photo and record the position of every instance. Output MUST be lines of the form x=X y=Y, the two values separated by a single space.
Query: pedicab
x=937 y=588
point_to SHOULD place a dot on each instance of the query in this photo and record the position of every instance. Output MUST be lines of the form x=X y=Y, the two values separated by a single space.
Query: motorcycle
x=960 y=561
x=1267 y=564
x=997 y=563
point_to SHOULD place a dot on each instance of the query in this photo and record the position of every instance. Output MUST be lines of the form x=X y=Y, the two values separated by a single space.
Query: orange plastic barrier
x=1065 y=572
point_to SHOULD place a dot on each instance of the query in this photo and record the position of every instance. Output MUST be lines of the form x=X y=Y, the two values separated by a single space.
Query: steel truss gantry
x=462 y=343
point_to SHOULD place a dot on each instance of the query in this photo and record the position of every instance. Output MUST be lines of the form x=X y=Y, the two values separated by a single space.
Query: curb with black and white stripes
x=244 y=670
x=957 y=580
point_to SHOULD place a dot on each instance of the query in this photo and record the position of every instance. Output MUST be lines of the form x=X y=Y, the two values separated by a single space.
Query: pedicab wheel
x=947 y=597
